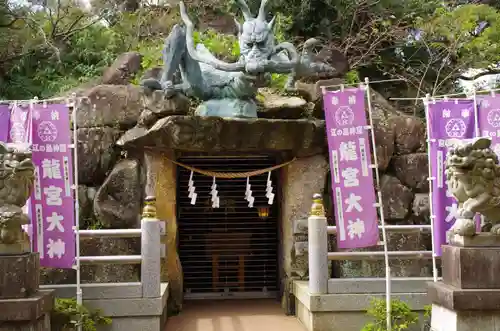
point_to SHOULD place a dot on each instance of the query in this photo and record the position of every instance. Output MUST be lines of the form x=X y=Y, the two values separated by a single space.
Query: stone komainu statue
x=473 y=177
x=229 y=89
x=16 y=182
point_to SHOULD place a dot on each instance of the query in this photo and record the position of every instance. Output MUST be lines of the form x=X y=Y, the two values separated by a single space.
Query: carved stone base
x=28 y=314
x=444 y=319
x=20 y=276
x=471 y=268
x=482 y=239
x=454 y=298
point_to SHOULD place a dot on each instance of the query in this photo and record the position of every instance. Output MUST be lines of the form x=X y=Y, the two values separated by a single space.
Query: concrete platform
x=346 y=309
x=123 y=303
x=233 y=315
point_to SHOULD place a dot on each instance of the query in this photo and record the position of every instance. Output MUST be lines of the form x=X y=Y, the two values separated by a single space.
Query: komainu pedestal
x=468 y=298
x=23 y=307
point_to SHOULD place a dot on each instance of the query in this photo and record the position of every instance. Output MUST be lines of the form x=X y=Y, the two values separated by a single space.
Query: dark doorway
x=230 y=251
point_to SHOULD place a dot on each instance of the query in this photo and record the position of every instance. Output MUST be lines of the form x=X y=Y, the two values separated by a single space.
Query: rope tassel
x=269 y=189
x=248 y=194
x=191 y=189
x=214 y=194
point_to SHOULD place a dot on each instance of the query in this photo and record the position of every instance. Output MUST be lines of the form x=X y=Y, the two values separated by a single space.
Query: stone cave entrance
x=231 y=251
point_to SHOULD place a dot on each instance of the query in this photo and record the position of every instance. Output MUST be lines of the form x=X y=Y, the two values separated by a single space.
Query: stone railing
x=318 y=254
x=134 y=305
x=152 y=251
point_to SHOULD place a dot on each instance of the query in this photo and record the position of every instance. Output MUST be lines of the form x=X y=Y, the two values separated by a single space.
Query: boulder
x=396 y=197
x=86 y=205
x=96 y=153
x=157 y=105
x=154 y=72
x=312 y=92
x=118 y=201
x=382 y=112
x=277 y=106
x=412 y=170
x=410 y=134
x=421 y=205
x=214 y=134
x=117 y=106
x=123 y=69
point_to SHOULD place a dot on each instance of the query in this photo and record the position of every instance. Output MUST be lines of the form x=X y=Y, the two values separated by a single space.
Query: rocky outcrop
x=125 y=67
x=396 y=198
x=282 y=107
x=409 y=134
x=96 y=153
x=116 y=119
x=412 y=170
x=117 y=204
x=110 y=105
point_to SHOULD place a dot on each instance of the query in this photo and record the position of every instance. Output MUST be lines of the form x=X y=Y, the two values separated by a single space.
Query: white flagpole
x=79 y=294
x=430 y=179
x=477 y=132
x=388 y=300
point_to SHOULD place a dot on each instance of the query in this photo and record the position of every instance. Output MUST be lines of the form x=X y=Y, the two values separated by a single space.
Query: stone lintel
x=27 y=309
x=483 y=239
x=457 y=299
x=20 y=275
x=300 y=138
x=471 y=267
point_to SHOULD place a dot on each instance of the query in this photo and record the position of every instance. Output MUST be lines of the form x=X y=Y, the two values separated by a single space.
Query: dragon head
x=256 y=36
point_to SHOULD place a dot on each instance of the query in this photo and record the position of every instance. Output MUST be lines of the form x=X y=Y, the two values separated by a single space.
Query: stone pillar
x=318 y=248
x=468 y=298
x=166 y=192
x=23 y=307
x=300 y=181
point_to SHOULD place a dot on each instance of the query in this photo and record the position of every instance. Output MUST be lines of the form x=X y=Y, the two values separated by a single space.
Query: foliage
x=352 y=77
x=56 y=50
x=68 y=315
x=457 y=41
x=47 y=50
x=222 y=46
x=402 y=317
x=427 y=310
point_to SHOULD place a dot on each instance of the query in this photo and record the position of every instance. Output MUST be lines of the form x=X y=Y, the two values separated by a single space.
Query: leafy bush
x=68 y=315
x=402 y=317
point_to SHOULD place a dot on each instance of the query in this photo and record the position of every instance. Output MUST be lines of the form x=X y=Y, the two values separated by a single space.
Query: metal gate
x=230 y=251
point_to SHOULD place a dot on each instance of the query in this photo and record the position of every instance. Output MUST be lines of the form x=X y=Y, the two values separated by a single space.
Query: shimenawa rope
x=217 y=174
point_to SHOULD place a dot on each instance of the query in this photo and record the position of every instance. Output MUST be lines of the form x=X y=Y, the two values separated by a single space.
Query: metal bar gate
x=230 y=251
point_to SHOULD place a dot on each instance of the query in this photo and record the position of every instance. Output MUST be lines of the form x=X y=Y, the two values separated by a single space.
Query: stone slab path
x=233 y=315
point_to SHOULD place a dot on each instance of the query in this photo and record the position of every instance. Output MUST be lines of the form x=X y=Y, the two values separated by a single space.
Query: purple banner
x=52 y=200
x=448 y=120
x=350 y=158
x=489 y=119
x=4 y=122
